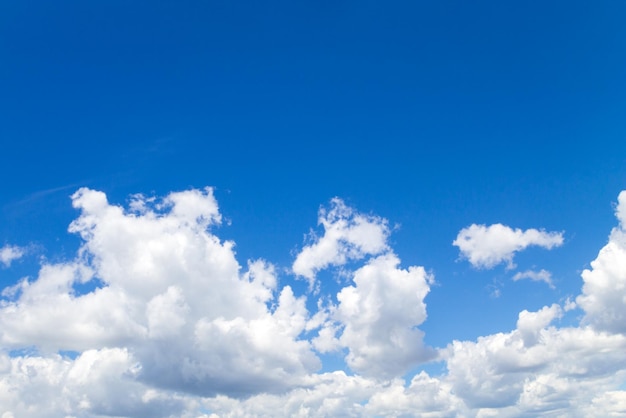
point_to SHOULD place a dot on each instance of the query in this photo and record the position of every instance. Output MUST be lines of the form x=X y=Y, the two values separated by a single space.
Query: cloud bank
x=173 y=325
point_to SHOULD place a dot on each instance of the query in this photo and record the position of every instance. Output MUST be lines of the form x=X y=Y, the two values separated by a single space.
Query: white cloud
x=530 y=324
x=536 y=368
x=97 y=383
x=380 y=315
x=603 y=296
x=608 y=404
x=375 y=319
x=487 y=246
x=339 y=395
x=173 y=294
x=536 y=276
x=178 y=328
x=10 y=253
x=348 y=235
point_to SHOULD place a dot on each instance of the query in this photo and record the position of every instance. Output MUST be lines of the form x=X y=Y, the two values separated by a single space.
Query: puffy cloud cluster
x=376 y=317
x=348 y=235
x=96 y=383
x=156 y=317
x=337 y=394
x=487 y=246
x=536 y=368
x=169 y=293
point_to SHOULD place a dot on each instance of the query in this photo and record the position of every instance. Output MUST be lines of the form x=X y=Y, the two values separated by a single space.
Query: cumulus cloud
x=380 y=315
x=487 y=246
x=536 y=276
x=348 y=235
x=339 y=395
x=377 y=315
x=536 y=368
x=603 y=295
x=530 y=324
x=10 y=253
x=96 y=383
x=172 y=293
x=175 y=326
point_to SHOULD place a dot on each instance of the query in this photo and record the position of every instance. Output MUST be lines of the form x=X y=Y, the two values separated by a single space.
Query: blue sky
x=423 y=118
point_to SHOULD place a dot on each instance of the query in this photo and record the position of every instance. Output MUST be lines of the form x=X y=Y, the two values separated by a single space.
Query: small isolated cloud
x=487 y=246
x=535 y=276
x=348 y=235
x=9 y=253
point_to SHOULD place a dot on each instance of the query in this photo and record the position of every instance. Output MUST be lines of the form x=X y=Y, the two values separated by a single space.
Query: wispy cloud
x=35 y=197
x=536 y=276
x=10 y=253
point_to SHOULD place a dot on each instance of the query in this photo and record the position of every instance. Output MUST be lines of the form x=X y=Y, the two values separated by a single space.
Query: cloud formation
x=487 y=246
x=172 y=294
x=603 y=295
x=348 y=235
x=172 y=325
x=376 y=318
x=380 y=315
x=10 y=253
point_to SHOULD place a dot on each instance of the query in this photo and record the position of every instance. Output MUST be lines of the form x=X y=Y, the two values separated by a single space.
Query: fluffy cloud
x=348 y=235
x=9 y=253
x=542 y=369
x=487 y=246
x=536 y=276
x=337 y=394
x=380 y=315
x=604 y=291
x=172 y=325
x=97 y=383
x=535 y=368
x=171 y=293
x=376 y=317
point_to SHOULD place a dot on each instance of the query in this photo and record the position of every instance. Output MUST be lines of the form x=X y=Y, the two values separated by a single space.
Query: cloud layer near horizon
x=172 y=324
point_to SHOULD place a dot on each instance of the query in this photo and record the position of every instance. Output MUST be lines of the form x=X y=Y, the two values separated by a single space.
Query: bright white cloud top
x=347 y=236
x=487 y=246
x=155 y=316
x=603 y=297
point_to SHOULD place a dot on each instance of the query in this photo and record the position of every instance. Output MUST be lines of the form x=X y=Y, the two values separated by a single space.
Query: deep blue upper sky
x=434 y=115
